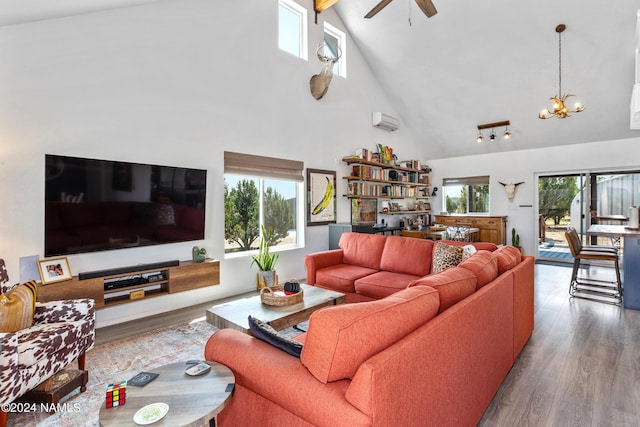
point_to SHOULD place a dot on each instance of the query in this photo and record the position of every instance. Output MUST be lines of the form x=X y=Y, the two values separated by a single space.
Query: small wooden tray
x=268 y=297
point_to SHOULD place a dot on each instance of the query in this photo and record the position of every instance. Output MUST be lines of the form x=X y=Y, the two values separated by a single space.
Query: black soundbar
x=129 y=269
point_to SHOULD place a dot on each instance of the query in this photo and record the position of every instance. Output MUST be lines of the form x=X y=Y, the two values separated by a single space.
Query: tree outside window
x=253 y=201
x=466 y=195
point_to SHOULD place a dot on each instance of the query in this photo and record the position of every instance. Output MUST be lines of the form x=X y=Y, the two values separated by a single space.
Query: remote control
x=199 y=369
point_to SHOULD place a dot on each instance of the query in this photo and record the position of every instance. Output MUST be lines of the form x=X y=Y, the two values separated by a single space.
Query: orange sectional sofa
x=372 y=266
x=431 y=354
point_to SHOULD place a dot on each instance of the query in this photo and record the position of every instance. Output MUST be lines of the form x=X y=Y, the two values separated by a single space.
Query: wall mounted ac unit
x=384 y=121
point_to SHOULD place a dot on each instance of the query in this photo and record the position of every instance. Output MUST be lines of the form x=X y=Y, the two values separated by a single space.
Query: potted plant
x=265 y=260
x=515 y=240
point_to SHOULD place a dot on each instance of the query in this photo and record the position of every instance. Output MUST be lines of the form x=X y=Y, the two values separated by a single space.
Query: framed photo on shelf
x=364 y=211
x=321 y=197
x=426 y=206
x=54 y=270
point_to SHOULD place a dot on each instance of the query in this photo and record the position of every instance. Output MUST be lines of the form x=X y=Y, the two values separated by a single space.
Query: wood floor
x=581 y=366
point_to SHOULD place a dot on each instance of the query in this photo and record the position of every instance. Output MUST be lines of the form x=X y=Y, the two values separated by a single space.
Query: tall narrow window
x=335 y=42
x=262 y=191
x=292 y=28
x=468 y=195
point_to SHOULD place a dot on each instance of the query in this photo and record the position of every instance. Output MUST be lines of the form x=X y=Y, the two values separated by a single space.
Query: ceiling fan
x=425 y=5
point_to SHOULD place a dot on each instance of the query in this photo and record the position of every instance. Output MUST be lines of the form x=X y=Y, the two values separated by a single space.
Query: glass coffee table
x=192 y=400
x=235 y=314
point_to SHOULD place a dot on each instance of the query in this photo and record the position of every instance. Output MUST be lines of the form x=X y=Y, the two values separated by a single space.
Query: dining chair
x=459 y=233
x=577 y=241
x=586 y=286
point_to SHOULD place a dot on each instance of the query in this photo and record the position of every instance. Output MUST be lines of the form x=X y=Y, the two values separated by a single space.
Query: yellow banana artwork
x=326 y=199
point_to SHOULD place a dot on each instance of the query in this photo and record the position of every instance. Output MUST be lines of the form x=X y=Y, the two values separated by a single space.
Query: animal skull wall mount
x=510 y=188
x=319 y=83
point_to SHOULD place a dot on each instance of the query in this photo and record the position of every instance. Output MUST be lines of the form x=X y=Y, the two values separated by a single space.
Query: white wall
x=525 y=165
x=174 y=83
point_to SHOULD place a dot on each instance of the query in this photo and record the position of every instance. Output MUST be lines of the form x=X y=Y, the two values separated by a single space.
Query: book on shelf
x=363 y=189
x=363 y=154
x=410 y=164
x=366 y=172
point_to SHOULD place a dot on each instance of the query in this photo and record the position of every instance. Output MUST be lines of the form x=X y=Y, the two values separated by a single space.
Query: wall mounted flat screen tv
x=95 y=205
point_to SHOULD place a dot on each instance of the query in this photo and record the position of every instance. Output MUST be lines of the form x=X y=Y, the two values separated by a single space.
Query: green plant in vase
x=265 y=260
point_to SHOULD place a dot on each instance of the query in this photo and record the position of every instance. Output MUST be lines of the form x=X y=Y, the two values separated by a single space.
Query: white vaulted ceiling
x=475 y=62
x=480 y=62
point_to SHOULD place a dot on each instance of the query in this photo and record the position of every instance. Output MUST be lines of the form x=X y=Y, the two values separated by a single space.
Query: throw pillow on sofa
x=263 y=331
x=17 y=309
x=468 y=251
x=446 y=256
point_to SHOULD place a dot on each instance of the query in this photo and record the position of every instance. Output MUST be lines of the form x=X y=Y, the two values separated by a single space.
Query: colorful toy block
x=116 y=394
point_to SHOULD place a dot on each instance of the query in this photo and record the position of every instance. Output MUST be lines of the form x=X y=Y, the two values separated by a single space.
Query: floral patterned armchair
x=62 y=332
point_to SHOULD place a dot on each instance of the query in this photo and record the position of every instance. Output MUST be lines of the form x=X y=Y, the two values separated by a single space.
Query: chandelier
x=560 y=109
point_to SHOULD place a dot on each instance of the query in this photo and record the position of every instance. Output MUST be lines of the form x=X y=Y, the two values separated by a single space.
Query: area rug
x=120 y=360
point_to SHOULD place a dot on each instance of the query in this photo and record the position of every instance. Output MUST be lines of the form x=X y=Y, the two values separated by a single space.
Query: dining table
x=630 y=259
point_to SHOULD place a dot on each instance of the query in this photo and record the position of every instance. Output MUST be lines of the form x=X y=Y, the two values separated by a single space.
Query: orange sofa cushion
x=383 y=283
x=484 y=265
x=364 y=250
x=341 y=277
x=453 y=285
x=340 y=338
x=508 y=257
x=407 y=255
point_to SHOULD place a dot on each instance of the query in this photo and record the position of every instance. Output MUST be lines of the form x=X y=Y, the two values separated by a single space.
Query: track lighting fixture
x=492 y=126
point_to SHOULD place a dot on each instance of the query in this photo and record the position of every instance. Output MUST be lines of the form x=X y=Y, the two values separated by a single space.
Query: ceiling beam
x=322 y=5
x=493 y=125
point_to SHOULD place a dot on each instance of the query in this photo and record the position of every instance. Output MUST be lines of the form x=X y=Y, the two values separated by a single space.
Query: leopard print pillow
x=445 y=256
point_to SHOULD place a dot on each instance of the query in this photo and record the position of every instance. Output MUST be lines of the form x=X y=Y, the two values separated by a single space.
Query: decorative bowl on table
x=276 y=295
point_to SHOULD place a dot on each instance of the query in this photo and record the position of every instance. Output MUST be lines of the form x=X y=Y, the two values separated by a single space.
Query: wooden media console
x=122 y=288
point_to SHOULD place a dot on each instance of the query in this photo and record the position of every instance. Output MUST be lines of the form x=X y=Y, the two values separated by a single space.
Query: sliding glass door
x=579 y=200
x=561 y=202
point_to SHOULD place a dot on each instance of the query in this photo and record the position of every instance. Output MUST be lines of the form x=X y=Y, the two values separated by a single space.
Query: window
x=466 y=195
x=292 y=28
x=335 y=41
x=262 y=191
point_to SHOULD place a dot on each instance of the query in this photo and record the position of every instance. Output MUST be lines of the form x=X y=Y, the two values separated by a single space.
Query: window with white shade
x=262 y=191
